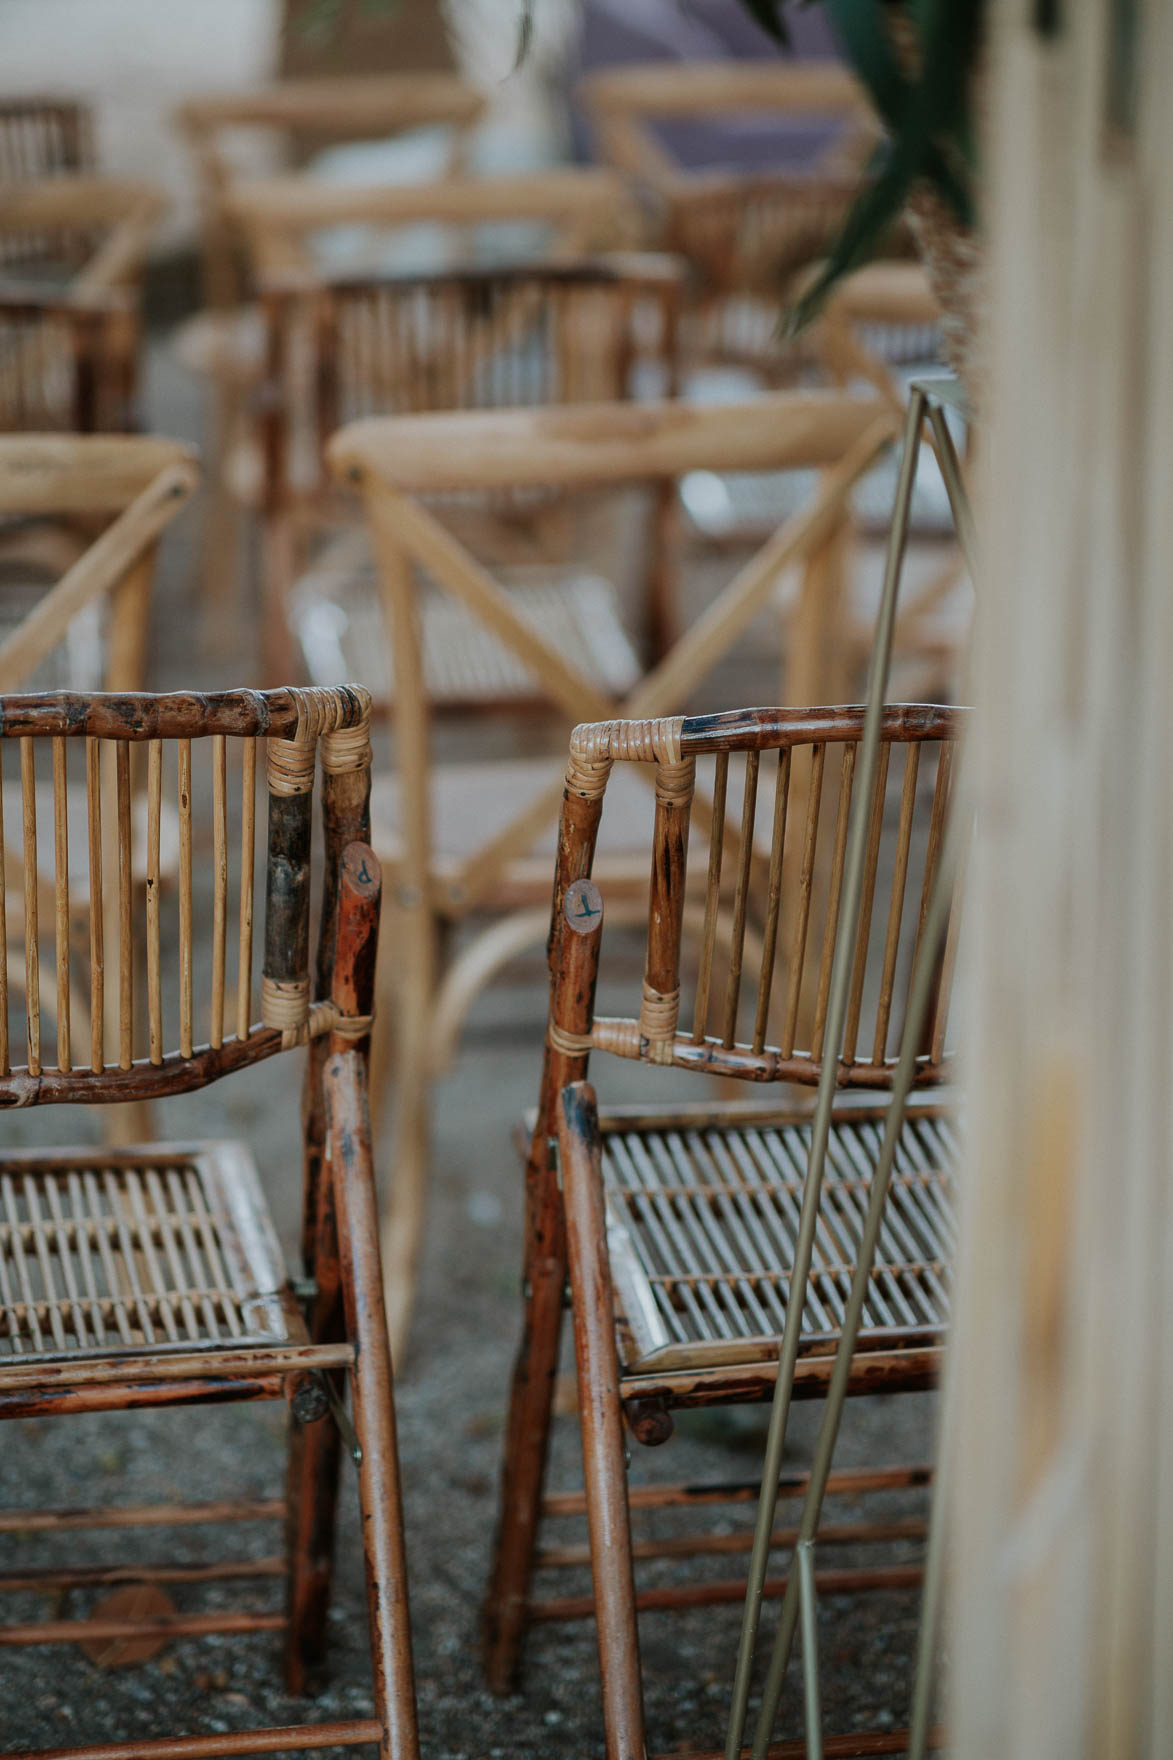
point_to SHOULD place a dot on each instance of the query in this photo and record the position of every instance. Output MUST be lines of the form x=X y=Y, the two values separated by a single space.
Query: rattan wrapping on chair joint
x=286 y=1006
x=324 y=710
x=657 y=1022
x=289 y=766
x=347 y=749
x=674 y=781
x=570 y=1044
x=651 y=742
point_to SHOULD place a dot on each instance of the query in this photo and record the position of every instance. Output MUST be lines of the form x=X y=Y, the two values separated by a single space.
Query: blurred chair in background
x=531 y=336
x=242 y=134
x=303 y=235
x=80 y=524
x=464 y=840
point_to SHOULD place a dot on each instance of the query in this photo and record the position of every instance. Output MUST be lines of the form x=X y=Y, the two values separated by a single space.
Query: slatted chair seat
x=341 y=632
x=701 y=1227
x=162 y=1249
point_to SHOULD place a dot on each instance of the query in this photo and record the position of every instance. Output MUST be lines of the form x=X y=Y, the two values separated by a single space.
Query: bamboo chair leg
x=405 y=1199
x=312 y=1503
x=527 y=1437
x=603 y=1453
x=314 y=1460
x=380 y=1497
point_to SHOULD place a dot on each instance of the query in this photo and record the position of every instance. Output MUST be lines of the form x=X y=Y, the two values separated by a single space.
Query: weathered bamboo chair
x=531 y=335
x=152 y=1276
x=281 y=119
x=465 y=840
x=677 y=1224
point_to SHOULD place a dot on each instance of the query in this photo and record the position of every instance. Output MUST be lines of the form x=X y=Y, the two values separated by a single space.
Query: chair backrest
x=68 y=366
x=737 y=973
x=43 y=136
x=111 y=220
x=525 y=335
x=195 y=749
x=578 y=210
x=128 y=488
x=397 y=461
x=625 y=104
x=314 y=110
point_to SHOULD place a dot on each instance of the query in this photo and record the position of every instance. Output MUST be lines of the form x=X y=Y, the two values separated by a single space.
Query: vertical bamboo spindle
x=61 y=902
x=773 y=899
x=835 y=893
x=806 y=880
x=5 y=1055
x=32 y=965
x=154 y=974
x=97 y=939
x=186 y=1007
x=740 y=897
x=863 y=935
x=712 y=898
x=896 y=903
x=248 y=822
x=285 y=983
x=125 y=911
x=219 y=884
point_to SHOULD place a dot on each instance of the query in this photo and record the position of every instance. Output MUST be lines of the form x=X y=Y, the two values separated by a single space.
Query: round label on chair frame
x=583 y=906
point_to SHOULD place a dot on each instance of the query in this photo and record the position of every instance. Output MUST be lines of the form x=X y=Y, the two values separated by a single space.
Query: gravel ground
x=450 y=1399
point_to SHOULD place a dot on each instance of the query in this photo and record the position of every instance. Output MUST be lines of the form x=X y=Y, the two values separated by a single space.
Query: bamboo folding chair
x=677 y=1224
x=280 y=120
x=526 y=335
x=463 y=840
x=151 y=1276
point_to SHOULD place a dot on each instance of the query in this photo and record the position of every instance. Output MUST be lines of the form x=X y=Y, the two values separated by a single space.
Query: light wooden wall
x=1062 y=1530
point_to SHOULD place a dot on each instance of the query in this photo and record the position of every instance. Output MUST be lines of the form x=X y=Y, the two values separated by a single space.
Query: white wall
x=134 y=60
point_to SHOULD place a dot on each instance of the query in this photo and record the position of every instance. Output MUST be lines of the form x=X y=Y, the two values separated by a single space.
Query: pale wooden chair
x=282 y=221
x=524 y=335
x=289 y=112
x=280 y=119
x=93 y=232
x=750 y=236
x=44 y=136
x=152 y=1276
x=459 y=840
x=678 y=1223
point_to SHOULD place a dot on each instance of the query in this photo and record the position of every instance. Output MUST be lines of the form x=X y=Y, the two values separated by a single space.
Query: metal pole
x=832 y=1047
x=804 y=1560
x=920 y=995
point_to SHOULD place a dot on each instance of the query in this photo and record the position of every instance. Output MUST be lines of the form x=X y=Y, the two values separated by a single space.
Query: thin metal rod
x=920 y=997
x=805 y=1559
x=959 y=503
x=832 y=1041
x=919 y=1732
